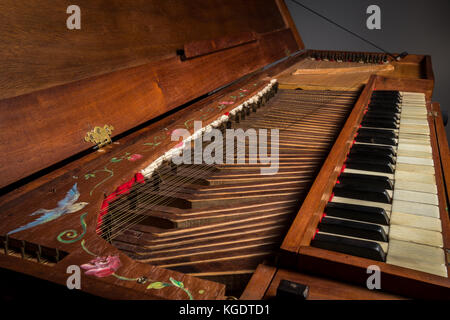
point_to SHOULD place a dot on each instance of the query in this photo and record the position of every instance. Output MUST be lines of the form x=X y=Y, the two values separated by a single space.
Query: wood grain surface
x=120 y=69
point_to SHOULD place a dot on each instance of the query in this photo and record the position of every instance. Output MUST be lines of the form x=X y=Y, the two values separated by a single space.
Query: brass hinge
x=100 y=136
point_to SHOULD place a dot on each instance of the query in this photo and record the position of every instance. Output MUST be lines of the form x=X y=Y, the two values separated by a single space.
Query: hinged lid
x=129 y=62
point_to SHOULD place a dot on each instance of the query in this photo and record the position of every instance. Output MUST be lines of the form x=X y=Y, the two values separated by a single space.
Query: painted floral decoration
x=128 y=156
x=102 y=266
x=135 y=157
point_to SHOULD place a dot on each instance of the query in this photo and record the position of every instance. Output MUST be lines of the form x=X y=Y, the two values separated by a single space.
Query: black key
x=373 y=148
x=357 y=212
x=374 y=155
x=353 y=229
x=394 y=112
x=385 y=92
x=370 y=166
x=377 y=93
x=385 y=96
x=361 y=192
x=390 y=102
x=377 y=132
x=383 y=108
x=380 y=124
x=364 y=158
x=355 y=247
x=377 y=140
x=387 y=134
x=380 y=116
x=383 y=112
x=364 y=179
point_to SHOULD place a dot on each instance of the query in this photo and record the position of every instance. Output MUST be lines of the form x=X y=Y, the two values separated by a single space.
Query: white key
x=414 y=177
x=414 y=112
x=414 y=147
x=412 y=168
x=415 y=221
x=414 y=136
x=413 y=116
x=417 y=257
x=416 y=235
x=417 y=154
x=405 y=120
x=425 y=142
x=414 y=129
x=413 y=107
x=415 y=196
x=415 y=186
x=414 y=160
x=411 y=94
x=412 y=104
x=420 y=209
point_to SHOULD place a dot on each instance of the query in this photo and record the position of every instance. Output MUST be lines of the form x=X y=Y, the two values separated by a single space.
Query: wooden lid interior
x=130 y=62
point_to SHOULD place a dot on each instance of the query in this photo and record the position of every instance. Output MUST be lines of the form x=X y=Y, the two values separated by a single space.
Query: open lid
x=128 y=63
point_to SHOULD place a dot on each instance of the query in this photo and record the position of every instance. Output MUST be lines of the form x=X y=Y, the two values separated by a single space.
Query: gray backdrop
x=415 y=26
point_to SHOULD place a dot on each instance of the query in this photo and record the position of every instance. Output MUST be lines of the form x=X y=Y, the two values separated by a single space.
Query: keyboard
x=384 y=205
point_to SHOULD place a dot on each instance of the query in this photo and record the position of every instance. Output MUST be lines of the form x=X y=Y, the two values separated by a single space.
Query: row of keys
x=384 y=205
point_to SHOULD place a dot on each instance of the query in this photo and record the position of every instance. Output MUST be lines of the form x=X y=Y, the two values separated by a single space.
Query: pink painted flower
x=226 y=102
x=135 y=157
x=102 y=266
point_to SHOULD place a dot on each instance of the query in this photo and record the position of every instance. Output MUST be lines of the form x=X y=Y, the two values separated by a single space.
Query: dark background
x=415 y=26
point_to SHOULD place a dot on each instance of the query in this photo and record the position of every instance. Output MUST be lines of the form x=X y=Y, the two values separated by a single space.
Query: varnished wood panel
x=398 y=280
x=441 y=158
x=443 y=145
x=417 y=67
x=320 y=288
x=44 y=127
x=37 y=50
x=259 y=283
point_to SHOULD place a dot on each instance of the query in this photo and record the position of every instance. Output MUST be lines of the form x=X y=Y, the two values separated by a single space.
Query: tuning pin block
x=236 y=114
